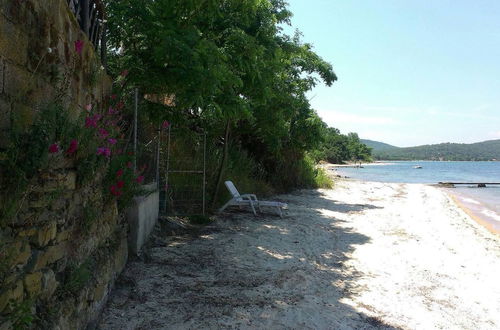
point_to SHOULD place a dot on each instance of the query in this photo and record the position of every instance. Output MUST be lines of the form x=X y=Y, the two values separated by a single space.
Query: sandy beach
x=361 y=256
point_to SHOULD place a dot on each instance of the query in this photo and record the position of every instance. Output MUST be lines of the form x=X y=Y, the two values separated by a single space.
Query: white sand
x=361 y=256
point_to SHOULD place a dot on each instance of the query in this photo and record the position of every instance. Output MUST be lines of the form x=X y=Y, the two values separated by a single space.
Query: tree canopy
x=229 y=69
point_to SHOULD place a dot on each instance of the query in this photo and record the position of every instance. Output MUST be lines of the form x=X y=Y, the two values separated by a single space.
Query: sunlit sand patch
x=280 y=229
x=328 y=213
x=274 y=254
x=177 y=243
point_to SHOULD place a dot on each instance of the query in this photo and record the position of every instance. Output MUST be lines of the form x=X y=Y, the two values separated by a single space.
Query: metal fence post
x=204 y=168
x=167 y=169
x=85 y=17
x=136 y=99
x=158 y=158
x=104 y=60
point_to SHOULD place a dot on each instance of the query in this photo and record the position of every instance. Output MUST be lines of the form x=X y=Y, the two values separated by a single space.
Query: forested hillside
x=227 y=69
x=377 y=146
x=487 y=150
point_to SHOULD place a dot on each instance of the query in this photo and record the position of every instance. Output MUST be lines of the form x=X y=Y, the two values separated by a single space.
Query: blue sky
x=411 y=72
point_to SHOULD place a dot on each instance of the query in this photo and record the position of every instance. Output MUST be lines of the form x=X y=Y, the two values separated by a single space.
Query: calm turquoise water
x=486 y=200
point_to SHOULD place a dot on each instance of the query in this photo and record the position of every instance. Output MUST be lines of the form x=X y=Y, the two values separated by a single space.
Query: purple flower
x=79 y=46
x=73 y=146
x=103 y=133
x=165 y=124
x=54 y=148
x=91 y=122
x=112 y=141
x=104 y=151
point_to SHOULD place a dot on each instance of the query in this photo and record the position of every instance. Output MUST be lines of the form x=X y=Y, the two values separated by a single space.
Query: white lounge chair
x=249 y=200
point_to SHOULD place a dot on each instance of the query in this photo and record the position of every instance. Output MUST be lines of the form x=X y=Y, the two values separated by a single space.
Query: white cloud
x=495 y=135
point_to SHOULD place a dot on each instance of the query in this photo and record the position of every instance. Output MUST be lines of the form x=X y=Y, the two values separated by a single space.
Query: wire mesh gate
x=185 y=173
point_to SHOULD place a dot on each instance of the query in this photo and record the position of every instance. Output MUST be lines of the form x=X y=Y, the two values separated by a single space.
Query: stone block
x=5 y=110
x=47 y=257
x=22 y=116
x=100 y=291
x=49 y=284
x=21 y=254
x=46 y=234
x=14 y=293
x=15 y=47
x=63 y=236
x=27 y=232
x=6 y=325
x=2 y=71
x=33 y=284
x=121 y=256
x=17 y=82
x=62 y=180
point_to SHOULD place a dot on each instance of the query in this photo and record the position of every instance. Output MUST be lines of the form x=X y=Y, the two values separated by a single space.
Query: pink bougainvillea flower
x=124 y=73
x=115 y=191
x=120 y=184
x=165 y=124
x=112 y=111
x=90 y=122
x=104 y=151
x=129 y=164
x=112 y=141
x=113 y=97
x=73 y=147
x=140 y=179
x=103 y=133
x=120 y=105
x=119 y=173
x=53 y=148
x=88 y=107
x=79 y=46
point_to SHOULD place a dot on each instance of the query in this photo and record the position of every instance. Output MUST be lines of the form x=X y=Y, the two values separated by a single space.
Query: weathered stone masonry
x=62 y=252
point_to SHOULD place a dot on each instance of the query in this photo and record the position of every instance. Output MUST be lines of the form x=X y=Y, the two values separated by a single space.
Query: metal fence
x=183 y=172
x=91 y=14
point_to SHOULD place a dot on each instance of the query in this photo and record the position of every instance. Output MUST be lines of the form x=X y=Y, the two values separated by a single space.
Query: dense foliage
x=337 y=148
x=227 y=68
x=488 y=150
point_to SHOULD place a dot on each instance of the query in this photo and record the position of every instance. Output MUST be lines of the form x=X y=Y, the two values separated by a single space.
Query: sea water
x=483 y=202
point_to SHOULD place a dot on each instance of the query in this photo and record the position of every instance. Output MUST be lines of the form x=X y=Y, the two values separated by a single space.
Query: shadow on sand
x=248 y=272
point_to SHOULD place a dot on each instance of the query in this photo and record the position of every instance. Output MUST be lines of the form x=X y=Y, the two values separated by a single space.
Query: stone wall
x=61 y=253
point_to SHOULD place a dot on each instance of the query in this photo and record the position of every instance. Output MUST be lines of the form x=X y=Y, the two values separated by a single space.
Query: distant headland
x=481 y=151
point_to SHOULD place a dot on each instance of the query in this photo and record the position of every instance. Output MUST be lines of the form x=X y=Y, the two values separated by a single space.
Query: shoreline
x=474 y=215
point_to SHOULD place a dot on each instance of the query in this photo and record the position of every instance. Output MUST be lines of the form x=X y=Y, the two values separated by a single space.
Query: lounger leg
x=230 y=202
x=253 y=208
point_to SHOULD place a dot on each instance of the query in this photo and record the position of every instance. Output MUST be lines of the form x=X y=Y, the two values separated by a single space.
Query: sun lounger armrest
x=250 y=196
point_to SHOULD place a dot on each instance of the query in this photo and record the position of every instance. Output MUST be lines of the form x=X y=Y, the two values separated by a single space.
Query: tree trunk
x=225 y=155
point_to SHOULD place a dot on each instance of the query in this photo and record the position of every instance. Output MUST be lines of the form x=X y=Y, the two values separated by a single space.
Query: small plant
x=22 y=314
x=76 y=278
x=89 y=217
x=322 y=179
